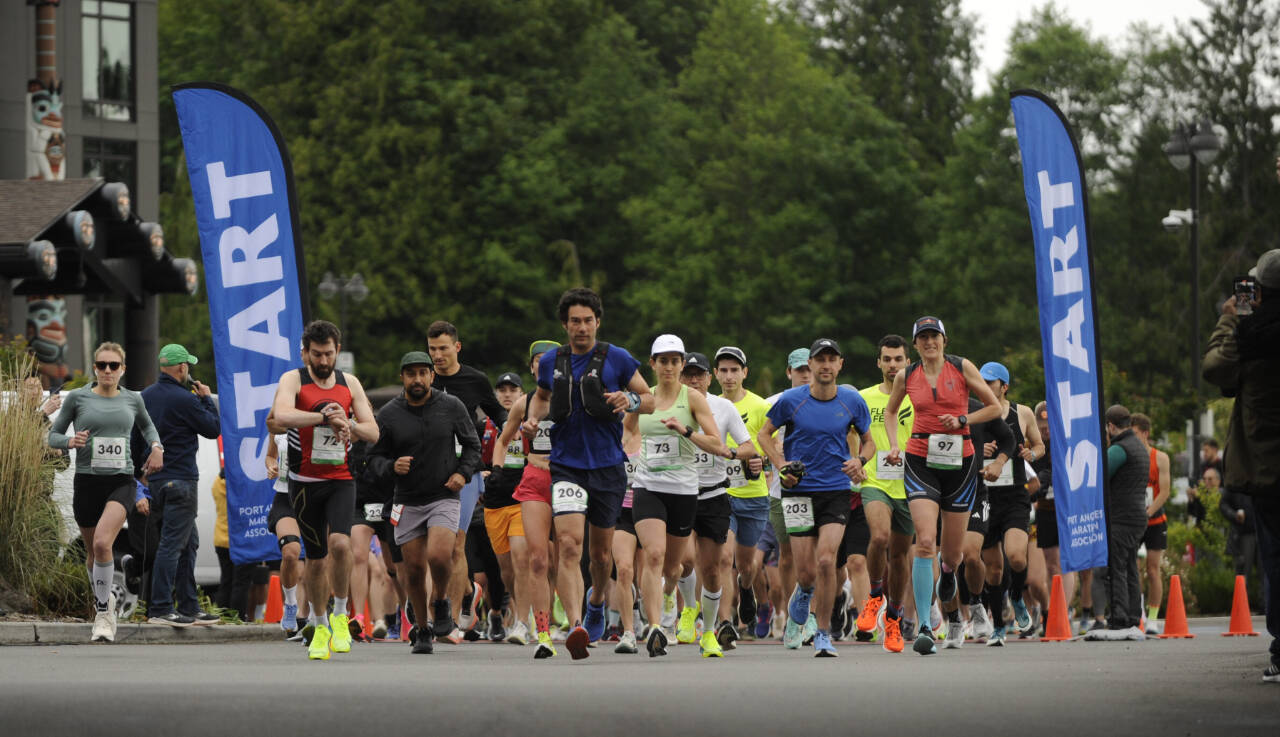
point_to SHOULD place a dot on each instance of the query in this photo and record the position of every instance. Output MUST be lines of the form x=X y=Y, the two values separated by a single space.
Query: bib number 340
x=568 y=498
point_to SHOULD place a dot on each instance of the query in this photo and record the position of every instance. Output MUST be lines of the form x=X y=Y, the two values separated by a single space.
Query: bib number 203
x=568 y=498
x=797 y=512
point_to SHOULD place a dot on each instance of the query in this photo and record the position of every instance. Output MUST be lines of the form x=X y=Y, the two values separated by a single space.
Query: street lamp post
x=1189 y=147
x=343 y=287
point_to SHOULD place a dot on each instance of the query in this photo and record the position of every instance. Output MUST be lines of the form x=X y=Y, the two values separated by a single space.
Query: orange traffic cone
x=1241 y=623
x=1175 y=616
x=275 y=605
x=1059 y=627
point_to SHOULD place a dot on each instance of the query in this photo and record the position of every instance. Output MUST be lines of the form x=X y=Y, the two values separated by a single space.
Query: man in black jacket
x=418 y=432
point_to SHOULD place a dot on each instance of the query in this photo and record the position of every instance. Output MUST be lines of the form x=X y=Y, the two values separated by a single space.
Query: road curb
x=77 y=633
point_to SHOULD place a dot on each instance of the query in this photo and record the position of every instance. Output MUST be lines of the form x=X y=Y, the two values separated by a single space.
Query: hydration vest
x=590 y=386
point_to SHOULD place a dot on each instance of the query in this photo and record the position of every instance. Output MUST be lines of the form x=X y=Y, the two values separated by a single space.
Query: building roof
x=29 y=206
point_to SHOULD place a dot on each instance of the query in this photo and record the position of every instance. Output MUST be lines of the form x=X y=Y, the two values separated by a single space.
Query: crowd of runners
x=599 y=509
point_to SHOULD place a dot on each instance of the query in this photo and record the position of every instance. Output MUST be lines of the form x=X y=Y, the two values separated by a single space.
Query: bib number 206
x=568 y=498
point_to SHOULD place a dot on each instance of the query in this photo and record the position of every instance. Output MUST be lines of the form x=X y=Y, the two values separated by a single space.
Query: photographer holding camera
x=1243 y=359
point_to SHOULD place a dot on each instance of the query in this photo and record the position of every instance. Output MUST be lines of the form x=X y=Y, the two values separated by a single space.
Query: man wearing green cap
x=182 y=410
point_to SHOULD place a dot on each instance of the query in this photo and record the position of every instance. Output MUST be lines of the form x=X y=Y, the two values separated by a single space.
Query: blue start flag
x=246 y=210
x=1053 y=179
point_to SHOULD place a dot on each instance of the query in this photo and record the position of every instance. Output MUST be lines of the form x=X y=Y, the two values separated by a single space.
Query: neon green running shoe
x=545 y=649
x=686 y=632
x=319 y=647
x=341 y=626
x=557 y=614
x=711 y=646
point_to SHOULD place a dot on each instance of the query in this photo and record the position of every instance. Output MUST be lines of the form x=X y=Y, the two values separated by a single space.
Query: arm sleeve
x=738 y=429
x=58 y=428
x=999 y=431
x=465 y=430
x=1116 y=458
x=1221 y=365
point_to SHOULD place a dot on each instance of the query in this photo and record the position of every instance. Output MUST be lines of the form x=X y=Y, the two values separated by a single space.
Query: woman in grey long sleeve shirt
x=104 y=415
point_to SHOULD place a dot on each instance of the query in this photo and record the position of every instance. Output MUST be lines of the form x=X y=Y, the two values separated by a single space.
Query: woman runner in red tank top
x=941 y=467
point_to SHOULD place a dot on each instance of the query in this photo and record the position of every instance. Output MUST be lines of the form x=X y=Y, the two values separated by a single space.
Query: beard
x=416 y=391
x=321 y=372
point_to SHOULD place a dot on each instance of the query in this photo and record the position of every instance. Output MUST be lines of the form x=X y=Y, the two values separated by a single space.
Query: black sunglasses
x=107 y=365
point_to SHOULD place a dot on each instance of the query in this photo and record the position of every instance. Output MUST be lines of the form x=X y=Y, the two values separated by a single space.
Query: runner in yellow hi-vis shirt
x=884 y=499
x=748 y=490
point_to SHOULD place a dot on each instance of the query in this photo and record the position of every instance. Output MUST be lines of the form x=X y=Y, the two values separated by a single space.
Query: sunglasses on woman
x=107 y=365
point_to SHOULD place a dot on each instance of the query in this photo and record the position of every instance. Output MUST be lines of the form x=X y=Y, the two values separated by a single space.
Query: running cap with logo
x=732 y=352
x=667 y=343
x=174 y=354
x=927 y=323
x=697 y=361
x=541 y=346
x=415 y=358
x=798 y=358
x=824 y=344
x=1268 y=269
x=510 y=378
x=991 y=371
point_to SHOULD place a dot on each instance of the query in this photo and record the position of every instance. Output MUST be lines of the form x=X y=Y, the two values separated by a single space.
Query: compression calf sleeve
x=710 y=609
x=994 y=595
x=101 y=578
x=1017 y=583
x=922 y=586
x=688 y=586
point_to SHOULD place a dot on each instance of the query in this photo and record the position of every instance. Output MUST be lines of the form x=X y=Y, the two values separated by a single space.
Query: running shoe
x=557 y=613
x=656 y=644
x=455 y=636
x=356 y=629
x=304 y=635
x=441 y=620
x=935 y=617
x=420 y=641
x=289 y=620
x=798 y=606
x=924 y=642
x=726 y=635
x=850 y=616
x=822 y=647
x=519 y=633
x=1021 y=617
x=626 y=643
x=576 y=643
x=893 y=642
x=792 y=634
x=686 y=631
x=341 y=636
x=379 y=630
x=1152 y=628
x=393 y=627
x=497 y=632
x=593 y=622
x=319 y=647
x=997 y=637
x=869 y=618
x=746 y=603
x=102 y=629
x=467 y=618
x=810 y=629
x=173 y=619
x=982 y=627
x=1084 y=625
x=204 y=619
x=1271 y=674
x=545 y=649
x=710 y=646
x=1134 y=633
x=668 y=611
x=839 y=612
x=955 y=635
x=764 y=621
x=947 y=586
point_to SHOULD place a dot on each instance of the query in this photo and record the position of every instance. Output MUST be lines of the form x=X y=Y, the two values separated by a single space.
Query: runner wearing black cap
x=941 y=466
x=824 y=421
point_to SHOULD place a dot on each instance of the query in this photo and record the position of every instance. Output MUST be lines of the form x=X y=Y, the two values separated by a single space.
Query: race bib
x=568 y=498
x=515 y=454
x=631 y=471
x=946 y=451
x=326 y=448
x=373 y=513
x=886 y=471
x=703 y=461
x=1006 y=473
x=542 y=438
x=737 y=475
x=797 y=512
x=396 y=511
x=1151 y=495
x=109 y=454
x=457 y=447
x=662 y=453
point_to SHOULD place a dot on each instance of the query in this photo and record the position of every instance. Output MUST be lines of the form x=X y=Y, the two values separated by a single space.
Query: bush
x=32 y=557
x=1207 y=585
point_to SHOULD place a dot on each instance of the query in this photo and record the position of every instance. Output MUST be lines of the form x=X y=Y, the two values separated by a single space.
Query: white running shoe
x=982 y=626
x=955 y=636
x=935 y=617
x=626 y=643
x=518 y=634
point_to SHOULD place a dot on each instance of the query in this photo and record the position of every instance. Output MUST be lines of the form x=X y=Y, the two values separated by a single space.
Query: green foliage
x=1207 y=585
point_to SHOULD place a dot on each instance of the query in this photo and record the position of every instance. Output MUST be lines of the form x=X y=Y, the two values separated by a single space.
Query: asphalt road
x=1209 y=685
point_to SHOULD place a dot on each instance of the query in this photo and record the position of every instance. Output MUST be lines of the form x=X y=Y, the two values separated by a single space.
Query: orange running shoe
x=868 y=618
x=892 y=635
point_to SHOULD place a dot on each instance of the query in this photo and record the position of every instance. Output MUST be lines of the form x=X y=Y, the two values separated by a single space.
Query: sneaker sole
x=175 y=625
x=657 y=646
x=576 y=643
x=543 y=652
x=826 y=654
x=925 y=646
